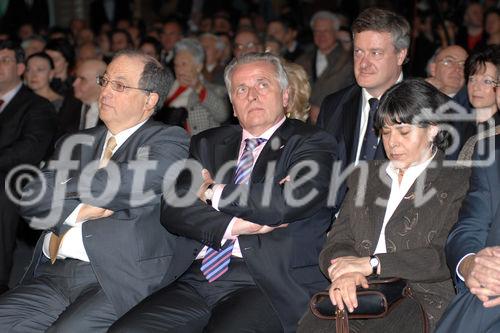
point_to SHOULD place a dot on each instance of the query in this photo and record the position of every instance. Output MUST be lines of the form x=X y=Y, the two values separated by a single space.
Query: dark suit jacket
x=283 y=263
x=478 y=227
x=69 y=115
x=27 y=131
x=415 y=234
x=129 y=251
x=340 y=115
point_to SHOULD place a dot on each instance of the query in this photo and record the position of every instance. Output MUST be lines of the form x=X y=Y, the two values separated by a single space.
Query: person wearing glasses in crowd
x=481 y=72
x=106 y=250
x=446 y=70
x=246 y=41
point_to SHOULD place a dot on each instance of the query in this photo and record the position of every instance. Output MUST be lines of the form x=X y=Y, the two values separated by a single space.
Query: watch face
x=373 y=262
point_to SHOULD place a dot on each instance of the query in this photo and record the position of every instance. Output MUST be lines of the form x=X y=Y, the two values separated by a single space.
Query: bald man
x=447 y=70
x=85 y=112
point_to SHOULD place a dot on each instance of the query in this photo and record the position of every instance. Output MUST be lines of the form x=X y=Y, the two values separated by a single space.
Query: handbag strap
x=341 y=321
x=425 y=326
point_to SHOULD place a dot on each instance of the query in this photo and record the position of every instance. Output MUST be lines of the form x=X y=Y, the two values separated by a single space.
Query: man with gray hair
x=328 y=65
x=381 y=41
x=246 y=264
x=102 y=251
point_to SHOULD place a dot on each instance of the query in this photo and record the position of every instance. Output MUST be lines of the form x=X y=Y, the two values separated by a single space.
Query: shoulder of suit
x=218 y=133
x=27 y=96
x=342 y=93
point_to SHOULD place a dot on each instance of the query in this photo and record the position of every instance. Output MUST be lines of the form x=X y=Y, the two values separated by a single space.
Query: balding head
x=447 y=69
x=85 y=85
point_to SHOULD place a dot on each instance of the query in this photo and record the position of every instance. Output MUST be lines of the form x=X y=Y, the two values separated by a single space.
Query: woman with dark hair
x=38 y=74
x=396 y=216
x=63 y=56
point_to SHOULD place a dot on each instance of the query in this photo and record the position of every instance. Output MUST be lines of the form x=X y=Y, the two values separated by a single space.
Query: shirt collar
x=267 y=134
x=367 y=96
x=413 y=171
x=123 y=135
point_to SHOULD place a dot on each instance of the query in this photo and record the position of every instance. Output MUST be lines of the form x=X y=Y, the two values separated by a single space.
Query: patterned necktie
x=215 y=263
x=370 y=141
x=108 y=152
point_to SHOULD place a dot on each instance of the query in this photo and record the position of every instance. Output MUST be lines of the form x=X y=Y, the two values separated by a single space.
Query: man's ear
x=286 y=96
x=152 y=100
x=432 y=69
x=20 y=67
x=402 y=56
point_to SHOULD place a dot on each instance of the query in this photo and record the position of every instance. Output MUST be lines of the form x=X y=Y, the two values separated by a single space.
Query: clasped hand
x=346 y=273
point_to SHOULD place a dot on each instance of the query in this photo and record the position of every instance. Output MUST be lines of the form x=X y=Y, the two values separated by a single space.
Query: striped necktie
x=216 y=263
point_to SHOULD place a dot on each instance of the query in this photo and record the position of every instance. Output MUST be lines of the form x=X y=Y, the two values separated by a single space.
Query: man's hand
x=207 y=180
x=244 y=227
x=481 y=274
x=350 y=264
x=88 y=212
x=343 y=290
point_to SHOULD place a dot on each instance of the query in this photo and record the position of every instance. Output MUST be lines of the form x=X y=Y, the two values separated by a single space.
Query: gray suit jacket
x=415 y=235
x=213 y=111
x=338 y=74
x=129 y=251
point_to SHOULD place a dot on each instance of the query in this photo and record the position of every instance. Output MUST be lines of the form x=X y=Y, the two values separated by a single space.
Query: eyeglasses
x=116 y=85
x=450 y=62
x=7 y=60
x=245 y=46
x=485 y=81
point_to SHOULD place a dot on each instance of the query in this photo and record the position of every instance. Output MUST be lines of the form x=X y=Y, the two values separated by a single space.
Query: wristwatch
x=374 y=262
x=209 y=194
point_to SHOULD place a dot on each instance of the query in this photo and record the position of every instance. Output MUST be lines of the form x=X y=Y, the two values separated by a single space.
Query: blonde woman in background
x=300 y=91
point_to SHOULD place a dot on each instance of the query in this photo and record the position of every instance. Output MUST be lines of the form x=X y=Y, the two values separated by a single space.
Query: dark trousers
x=9 y=220
x=232 y=303
x=64 y=297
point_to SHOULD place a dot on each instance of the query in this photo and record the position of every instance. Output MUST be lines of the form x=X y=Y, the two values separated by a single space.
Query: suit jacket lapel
x=352 y=120
x=428 y=177
x=271 y=151
x=225 y=151
x=380 y=190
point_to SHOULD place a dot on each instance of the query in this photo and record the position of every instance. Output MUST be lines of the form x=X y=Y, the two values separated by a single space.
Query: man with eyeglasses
x=246 y=41
x=447 y=70
x=103 y=249
x=27 y=131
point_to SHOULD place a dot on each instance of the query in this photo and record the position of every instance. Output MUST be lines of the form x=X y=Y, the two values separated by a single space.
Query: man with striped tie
x=248 y=256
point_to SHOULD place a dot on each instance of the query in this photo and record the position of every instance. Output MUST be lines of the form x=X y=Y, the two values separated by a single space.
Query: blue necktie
x=215 y=263
x=370 y=141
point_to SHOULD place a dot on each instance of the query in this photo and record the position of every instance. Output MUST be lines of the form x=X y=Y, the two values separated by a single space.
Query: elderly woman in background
x=191 y=102
x=410 y=204
x=39 y=72
x=299 y=92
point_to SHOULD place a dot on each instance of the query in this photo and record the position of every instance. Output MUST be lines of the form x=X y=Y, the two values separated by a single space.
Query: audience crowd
x=277 y=158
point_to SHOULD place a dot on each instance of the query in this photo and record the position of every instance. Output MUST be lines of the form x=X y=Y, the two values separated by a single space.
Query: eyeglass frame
x=492 y=83
x=451 y=62
x=100 y=78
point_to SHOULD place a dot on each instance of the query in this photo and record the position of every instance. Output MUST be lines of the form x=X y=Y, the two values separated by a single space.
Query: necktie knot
x=111 y=144
x=251 y=144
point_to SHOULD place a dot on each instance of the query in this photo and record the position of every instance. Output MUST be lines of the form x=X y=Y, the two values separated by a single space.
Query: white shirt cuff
x=71 y=219
x=458 y=265
x=218 y=188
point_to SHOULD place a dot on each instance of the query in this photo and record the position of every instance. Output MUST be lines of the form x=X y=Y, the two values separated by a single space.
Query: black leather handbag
x=377 y=301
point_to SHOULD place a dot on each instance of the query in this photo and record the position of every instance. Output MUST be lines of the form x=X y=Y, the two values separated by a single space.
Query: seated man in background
x=248 y=264
x=104 y=250
x=447 y=70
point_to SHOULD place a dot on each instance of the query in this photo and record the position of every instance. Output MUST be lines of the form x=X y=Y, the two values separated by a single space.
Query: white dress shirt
x=72 y=244
x=398 y=192
x=321 y=63
x=92 y=115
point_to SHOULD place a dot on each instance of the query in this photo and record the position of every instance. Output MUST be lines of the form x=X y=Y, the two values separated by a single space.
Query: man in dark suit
x=268 y=242
x=473 y=254
x=27 y=130
x=84 y=112
x=328 y=65
x=381 y=41
x=104 y=249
